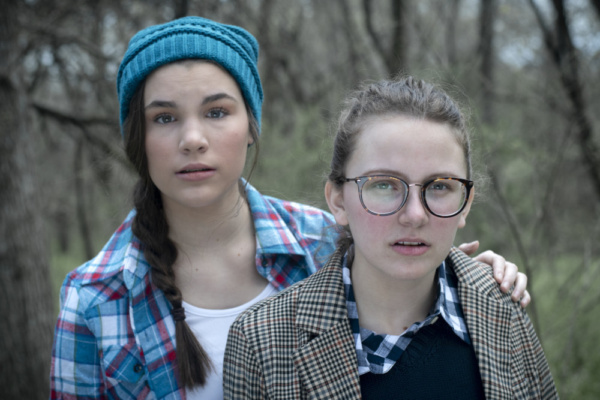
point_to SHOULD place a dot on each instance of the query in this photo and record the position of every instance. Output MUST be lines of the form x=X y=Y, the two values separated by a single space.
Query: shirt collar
x=377 y=353
x=272 y=233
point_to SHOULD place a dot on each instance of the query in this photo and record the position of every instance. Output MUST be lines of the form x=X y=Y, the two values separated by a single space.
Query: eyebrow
x=171 y=104
x=404 y=177
x=218 y=96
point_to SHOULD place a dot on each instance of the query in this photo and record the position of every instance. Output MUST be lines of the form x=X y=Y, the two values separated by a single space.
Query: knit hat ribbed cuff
x=230 y=46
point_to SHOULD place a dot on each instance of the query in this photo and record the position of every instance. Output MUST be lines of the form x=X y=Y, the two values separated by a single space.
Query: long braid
x=151 y=228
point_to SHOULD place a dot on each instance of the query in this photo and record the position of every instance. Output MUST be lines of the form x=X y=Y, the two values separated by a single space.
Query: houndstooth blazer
x=298 y=344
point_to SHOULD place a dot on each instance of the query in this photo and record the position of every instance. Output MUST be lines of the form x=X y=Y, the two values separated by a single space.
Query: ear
x=463 y=214
x=335 y=201
x=250 y=139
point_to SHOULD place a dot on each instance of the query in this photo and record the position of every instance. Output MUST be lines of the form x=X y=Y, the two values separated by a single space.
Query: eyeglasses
x=384 y=195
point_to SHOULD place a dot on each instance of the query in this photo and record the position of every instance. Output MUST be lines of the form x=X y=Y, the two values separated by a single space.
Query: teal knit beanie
x=230 y=46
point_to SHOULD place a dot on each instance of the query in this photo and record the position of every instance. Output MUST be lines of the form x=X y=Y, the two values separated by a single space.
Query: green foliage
x=568 y=334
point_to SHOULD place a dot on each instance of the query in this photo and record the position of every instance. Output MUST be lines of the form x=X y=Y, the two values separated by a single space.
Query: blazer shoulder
x=477 y=276
x=316 y=301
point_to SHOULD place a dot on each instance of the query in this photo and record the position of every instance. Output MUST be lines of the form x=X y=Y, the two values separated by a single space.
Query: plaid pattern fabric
x=115 y=337
x=377 y=353
x=299 y=343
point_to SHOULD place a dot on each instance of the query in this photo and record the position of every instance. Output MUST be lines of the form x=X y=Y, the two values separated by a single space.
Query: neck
x=215 y=266
x=390 y=306
x=209 y=229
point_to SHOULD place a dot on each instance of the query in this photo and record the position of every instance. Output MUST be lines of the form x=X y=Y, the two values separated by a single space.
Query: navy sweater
x=436 y=365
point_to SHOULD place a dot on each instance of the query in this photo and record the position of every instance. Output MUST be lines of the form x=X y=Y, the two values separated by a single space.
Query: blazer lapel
x=326 y=361
x=489 y=323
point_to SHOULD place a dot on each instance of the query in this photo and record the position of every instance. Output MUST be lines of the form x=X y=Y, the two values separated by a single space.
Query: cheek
x=445 y=229
x=157 y=153
x=233 y=146
x=365 y=225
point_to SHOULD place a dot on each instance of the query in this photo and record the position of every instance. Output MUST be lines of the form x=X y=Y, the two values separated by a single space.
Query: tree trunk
x=26 y=297
x=454 y=6
x=487 y=17
x=394 y=57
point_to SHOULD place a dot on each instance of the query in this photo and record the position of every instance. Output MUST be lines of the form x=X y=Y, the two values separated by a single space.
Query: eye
x=164 y=118
x=444 y=186
x=439 y=185
x=217 y=113
x=382 y=185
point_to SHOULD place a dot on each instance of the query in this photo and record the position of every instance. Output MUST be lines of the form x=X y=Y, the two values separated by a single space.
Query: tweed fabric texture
x=299 y=345
x=230 y=46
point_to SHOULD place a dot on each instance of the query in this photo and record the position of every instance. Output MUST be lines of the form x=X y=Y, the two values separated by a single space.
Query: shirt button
x=137 y=368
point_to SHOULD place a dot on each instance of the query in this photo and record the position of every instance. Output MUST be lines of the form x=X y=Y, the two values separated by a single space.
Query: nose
x=413 y=213
x=193 y=137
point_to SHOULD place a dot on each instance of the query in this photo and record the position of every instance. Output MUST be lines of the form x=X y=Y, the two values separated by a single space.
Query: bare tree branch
x=519 y=242
x=562 y=51
x=83 y=123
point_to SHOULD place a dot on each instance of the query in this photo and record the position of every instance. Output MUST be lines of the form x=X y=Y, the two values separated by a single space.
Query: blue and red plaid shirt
x=115 y=336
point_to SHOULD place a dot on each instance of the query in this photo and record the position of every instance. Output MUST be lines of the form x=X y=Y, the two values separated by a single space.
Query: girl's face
x=196 y=134
x=412 y=243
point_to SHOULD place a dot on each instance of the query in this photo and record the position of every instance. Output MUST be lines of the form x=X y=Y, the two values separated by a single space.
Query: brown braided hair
x=151 y=228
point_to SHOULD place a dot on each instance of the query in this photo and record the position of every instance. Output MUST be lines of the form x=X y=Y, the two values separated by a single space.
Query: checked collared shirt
x=377 y=353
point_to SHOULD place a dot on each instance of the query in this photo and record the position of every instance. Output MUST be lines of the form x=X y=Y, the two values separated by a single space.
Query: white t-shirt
x=211 y=328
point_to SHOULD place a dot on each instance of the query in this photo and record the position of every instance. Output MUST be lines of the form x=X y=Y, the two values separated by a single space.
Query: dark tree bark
x=82 y=212
x=487 y=17
x=181 y=8
x=564 y=57
x=596 y=6
x=454 y=6
x=26 y=301
x=394 y=57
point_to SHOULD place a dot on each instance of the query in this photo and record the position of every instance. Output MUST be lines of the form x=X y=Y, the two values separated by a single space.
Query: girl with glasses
x=397 y=312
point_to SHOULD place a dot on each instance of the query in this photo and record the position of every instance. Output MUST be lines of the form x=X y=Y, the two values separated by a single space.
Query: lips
x=195 y=173
x=188 y=169
x=411 y=247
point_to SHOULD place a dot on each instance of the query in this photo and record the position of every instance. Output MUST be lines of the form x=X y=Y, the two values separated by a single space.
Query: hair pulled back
x=405 y=96
x=151 y=228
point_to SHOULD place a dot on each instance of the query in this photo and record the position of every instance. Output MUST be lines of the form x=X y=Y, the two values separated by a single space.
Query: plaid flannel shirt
x=377 y=353
x=115 y=337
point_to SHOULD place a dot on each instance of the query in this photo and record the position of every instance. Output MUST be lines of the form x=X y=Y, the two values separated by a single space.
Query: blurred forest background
x=529 y=71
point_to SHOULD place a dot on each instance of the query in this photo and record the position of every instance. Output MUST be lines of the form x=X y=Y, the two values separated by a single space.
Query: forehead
x=407 y=146
x=190 y=74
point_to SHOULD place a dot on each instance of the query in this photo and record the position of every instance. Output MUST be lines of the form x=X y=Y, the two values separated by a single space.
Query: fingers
x=469 y=248
x=519 y=292
x=499 y=266
x=526 y=299
x=508 y=276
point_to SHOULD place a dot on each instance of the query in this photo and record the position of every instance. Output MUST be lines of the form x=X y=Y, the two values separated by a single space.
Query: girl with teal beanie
x=148 y=317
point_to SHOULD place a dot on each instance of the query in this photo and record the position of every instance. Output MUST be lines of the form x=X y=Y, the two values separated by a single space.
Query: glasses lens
x=445 y=197
x=383 y=194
